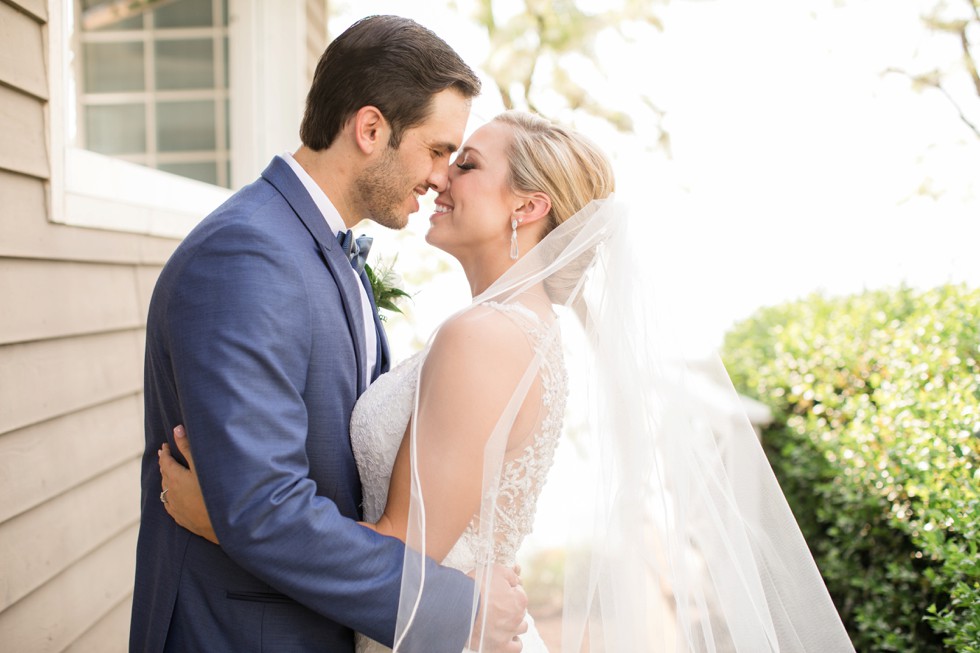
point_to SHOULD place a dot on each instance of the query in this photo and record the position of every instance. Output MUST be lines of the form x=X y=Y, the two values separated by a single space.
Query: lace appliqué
x=377 y=426
x=523 y=477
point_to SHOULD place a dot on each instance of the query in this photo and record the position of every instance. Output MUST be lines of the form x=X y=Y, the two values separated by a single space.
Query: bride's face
x=472 y=217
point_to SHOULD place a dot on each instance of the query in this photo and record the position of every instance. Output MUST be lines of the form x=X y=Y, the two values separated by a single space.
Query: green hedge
x=876 y=444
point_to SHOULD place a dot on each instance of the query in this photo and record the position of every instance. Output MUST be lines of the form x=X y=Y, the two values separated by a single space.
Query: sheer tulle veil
x=679 y=537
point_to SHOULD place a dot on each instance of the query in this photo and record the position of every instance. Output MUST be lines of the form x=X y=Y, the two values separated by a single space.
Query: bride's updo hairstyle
x=566 y=166
x=570 y=169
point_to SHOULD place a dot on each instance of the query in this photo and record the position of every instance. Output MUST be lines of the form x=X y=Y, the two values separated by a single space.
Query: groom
x=261 y=335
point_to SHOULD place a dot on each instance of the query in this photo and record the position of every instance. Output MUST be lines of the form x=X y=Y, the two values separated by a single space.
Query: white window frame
x=268 y=84
x=153 y=156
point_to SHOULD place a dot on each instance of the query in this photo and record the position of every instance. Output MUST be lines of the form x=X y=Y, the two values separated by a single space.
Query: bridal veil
x=679 y=537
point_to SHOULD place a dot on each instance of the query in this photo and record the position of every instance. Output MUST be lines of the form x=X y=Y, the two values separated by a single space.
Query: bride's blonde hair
x=565 y=165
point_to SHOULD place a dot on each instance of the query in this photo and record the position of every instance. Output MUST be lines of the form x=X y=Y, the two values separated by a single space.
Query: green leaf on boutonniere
x=385 y=287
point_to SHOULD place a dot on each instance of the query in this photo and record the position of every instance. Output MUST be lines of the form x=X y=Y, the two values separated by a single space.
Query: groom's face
x=391 y=186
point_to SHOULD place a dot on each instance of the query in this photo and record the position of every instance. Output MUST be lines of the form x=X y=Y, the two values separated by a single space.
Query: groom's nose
x=438 y=179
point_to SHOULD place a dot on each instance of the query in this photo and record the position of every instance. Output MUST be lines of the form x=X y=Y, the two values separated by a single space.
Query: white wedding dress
x=379 y=422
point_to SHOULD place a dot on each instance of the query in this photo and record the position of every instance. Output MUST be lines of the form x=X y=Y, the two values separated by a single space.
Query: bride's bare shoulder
x=482 y=332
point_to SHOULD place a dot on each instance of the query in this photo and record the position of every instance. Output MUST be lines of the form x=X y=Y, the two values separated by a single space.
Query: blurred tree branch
x=960 y=28
x=541 y=48
x=933 y=80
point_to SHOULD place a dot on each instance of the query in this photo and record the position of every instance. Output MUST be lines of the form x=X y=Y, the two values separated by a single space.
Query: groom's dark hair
x=388 y=62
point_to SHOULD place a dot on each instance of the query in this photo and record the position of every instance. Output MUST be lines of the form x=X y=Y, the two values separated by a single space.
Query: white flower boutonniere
x=386 y=287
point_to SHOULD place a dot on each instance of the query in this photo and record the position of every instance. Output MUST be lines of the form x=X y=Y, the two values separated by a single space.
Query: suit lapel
x=280 y=175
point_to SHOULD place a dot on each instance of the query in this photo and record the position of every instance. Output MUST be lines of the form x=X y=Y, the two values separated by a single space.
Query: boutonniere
x=386 y=287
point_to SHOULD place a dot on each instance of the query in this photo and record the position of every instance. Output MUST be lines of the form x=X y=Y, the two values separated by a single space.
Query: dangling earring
x=513 y=238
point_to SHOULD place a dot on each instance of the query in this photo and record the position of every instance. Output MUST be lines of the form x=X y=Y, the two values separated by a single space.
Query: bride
x=679 y=544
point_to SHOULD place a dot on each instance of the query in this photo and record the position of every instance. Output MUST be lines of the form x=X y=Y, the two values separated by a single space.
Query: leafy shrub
x=876 y=444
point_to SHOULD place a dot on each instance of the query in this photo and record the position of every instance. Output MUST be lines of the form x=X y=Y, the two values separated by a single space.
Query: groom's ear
x=534 y=207
x=371 y=129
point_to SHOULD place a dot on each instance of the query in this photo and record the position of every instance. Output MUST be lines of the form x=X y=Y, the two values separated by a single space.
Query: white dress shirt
x=336 y=225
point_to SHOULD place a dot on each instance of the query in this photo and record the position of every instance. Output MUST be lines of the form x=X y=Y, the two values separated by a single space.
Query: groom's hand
x=505 y=604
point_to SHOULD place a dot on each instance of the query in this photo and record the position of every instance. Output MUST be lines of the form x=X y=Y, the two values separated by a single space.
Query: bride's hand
x=506 y=605
x=184 y=501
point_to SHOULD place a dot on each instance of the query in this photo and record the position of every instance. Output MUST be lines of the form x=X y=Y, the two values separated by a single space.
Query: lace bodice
x=382 y=414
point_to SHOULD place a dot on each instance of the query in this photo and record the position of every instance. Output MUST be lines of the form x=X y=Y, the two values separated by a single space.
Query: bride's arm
x=181 y=490
x=469 y=376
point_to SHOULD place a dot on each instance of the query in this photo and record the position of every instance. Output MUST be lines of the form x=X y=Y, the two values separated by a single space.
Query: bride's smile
x=481 y=218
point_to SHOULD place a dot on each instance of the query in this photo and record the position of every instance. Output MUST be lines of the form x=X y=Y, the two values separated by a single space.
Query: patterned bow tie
x=356 y=249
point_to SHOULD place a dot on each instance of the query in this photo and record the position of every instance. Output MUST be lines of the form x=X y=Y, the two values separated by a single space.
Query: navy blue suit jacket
x=254 y=341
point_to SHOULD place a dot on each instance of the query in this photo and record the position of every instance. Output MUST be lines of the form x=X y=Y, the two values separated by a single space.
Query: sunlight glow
x=798 y=163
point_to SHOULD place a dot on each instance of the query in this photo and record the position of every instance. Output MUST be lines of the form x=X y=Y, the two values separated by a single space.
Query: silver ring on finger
x=163 y=495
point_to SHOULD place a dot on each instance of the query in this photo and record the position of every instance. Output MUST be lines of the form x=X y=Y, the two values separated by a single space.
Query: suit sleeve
x=240 y=337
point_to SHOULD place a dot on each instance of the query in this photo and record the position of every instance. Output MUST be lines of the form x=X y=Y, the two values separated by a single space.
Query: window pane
x=117 y=129
x=185 y=126
x=133 y=22
x=182 y=136
x=183 y=13
x=185 y=64
x=206 y=172
x=113 y=67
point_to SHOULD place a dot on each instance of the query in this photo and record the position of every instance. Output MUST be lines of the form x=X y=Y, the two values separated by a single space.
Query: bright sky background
x=796 y=162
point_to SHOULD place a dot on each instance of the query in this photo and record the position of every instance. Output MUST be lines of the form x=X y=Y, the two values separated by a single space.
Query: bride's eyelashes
x=463 y=162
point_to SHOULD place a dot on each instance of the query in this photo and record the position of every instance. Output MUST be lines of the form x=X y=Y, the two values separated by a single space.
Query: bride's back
x=514 y=345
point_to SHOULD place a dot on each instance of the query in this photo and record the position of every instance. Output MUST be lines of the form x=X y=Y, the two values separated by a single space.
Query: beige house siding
x=72 y=326
x=73 y=304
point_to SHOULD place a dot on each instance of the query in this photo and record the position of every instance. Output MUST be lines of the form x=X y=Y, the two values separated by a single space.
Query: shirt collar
x=330 y=214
